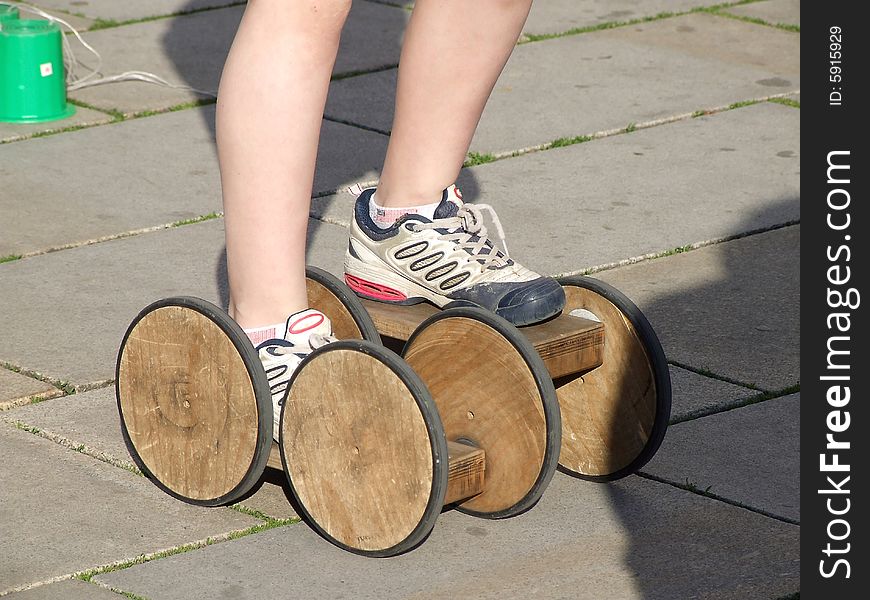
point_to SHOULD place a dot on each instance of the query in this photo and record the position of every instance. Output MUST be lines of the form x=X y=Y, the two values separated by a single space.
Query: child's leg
x=454 y=50
x=271 y=101
x=270 y=107
x=438 y=250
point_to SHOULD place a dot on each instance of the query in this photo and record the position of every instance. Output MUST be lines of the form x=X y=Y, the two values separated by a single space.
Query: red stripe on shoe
x=373 y=290
x=303 y=324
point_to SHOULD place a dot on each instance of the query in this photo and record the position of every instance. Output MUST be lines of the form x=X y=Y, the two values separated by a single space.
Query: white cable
x=71 y=63
x=142 y=76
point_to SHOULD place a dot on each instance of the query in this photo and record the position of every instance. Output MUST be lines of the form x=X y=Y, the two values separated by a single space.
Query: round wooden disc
x=614 y=417
x=195 y=406
x=350 y=320
x=363 y=449
x=493 y=390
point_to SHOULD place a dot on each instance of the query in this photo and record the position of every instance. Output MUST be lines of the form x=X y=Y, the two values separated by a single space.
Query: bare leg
x=453 y=53
x=271 y=100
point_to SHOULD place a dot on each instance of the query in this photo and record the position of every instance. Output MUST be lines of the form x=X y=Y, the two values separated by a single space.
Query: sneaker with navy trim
x=305 y=332
x=447 y=260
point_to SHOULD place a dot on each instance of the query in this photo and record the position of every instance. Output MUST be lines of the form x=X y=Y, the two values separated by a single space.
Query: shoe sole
x=381 y=284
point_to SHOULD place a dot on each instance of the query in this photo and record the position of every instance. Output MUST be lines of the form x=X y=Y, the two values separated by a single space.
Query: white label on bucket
x=46 y=69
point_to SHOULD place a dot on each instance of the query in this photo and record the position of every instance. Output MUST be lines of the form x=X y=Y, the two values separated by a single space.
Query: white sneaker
x=305 y=332
x=445 y=260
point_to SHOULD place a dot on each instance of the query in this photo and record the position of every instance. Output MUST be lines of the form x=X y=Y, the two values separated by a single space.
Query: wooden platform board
x=567 y=344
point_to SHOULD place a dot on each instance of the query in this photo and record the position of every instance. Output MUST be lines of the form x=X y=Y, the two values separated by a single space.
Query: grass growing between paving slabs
x=713 y=9
x=178 y=107
x=76 y=447
x=691 y=487
x=109 y=238
x=474 y=159
x=65 y=386
x=757 y=21
x=101 y=23
x=747 y=401
x=116 y=114
x=269 y=524
x=481 y=158
x=199 y=219
x=786 y=102
x=708 y=373
x=678 y=250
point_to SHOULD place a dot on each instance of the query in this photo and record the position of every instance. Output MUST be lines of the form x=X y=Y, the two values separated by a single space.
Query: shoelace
x=317 y=340
x=468 y=223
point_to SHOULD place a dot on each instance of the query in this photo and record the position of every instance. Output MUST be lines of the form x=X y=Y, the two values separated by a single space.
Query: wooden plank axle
x=567 y=344
x=466 y=473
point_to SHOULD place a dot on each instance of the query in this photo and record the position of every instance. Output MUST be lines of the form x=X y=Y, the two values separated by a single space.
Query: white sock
x=258 y=335
x=296 y=329
x=384 y=217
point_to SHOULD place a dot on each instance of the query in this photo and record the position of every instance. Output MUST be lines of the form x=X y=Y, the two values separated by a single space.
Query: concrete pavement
x=645 y=142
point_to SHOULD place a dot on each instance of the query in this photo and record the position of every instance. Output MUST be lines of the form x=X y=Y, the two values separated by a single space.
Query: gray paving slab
x=124 y=10
x=190 y=50
x=92 y=419
x=775 y=12
x=10 y=132
x=749 y=455
x=606 y=80
x=16 y=389
x=99 y=182
x=694 y=394
x=557 y=16
x=87 y=296
x=64 y=512
x=650 y=191
x=79 y=22
x=71 y=589
x=633 y=539
x=731 y=308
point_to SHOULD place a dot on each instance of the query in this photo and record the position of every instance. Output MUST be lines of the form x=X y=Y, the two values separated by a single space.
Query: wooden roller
x=349 y=318
x=195 y=406
x=492 y=391
x=194 y=401
x=603 y=357
x=364 y=450
x=614 y=417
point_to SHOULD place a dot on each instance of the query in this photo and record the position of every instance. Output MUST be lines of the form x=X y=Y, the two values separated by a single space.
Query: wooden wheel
x=363 y=449
x=350 y=321
x=195 y=408
x=492 y=390
x=614 y=417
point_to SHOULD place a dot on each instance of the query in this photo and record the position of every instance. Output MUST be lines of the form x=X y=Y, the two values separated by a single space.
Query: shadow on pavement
x=746 y=320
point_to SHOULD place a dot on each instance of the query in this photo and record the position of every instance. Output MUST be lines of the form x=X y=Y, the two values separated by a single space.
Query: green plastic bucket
x=7 y=13
x=32 y=83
